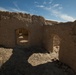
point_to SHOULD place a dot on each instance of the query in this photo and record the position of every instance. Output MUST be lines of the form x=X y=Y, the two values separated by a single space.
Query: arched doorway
x=22 y=37
x=56 y=45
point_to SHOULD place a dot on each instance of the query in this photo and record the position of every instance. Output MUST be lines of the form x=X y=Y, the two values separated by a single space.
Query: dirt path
x=31 y=61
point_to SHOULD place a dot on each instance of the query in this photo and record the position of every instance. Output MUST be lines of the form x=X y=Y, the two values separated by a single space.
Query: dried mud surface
x=31 y=61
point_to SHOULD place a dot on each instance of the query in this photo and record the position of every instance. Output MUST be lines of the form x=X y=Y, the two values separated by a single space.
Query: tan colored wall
x=65 y=31
x=41 y=33
x=9 y=22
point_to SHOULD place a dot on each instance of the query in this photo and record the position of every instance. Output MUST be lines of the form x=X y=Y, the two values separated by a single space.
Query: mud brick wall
x=40 y=33
x=9 y=22
x=67 y=34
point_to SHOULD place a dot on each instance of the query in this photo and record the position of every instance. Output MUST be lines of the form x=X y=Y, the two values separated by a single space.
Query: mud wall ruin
x=10 y=22
x=67 y=35
x=40 y=33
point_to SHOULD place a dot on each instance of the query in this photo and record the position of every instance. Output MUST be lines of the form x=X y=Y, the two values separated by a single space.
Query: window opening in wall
x=21 y=36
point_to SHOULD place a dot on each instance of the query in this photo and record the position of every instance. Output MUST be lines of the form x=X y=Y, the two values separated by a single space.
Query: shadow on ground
x=18 y=64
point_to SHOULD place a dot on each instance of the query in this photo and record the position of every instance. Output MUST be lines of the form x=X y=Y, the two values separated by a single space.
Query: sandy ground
x=31 y=61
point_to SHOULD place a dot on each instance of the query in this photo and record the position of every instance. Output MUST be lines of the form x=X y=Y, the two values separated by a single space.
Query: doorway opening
x=56 y=45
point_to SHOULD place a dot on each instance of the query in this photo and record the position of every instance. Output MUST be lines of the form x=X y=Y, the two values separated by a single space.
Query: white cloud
x=50 y=1
x=48 y=9
x=40 y=6
x=55 y=5
x=47 y=2
x=16 y=5
x=67 y=17
x=16 y=10
x=3 y=9
x=13 y=10
x=63 y=16
x=60 y=7
x=56 y=11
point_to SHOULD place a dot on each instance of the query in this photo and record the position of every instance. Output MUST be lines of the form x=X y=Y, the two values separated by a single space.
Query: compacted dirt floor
x=31 y=61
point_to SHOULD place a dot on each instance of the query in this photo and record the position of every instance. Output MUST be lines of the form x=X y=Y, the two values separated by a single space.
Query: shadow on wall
x=18 y=64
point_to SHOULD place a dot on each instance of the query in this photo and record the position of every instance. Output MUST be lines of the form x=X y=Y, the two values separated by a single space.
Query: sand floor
x=31 y=61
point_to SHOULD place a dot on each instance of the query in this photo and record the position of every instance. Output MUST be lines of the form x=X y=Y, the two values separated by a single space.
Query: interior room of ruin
x=21 y=29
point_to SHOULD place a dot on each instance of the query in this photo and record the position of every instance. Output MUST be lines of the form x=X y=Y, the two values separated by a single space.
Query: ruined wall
x=40 y=33
x=9 y=22
x=67 y=35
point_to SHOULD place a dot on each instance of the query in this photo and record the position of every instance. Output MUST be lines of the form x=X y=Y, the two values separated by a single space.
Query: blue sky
x=58 y=10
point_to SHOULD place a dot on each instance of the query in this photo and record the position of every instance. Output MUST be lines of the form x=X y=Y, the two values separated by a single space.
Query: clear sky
x=59 y=10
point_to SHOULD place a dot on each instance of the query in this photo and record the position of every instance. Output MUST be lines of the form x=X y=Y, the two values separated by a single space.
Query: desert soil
x=31 y=61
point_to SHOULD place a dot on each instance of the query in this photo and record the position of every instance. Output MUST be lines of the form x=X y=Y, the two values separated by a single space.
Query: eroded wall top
x=25 y=17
